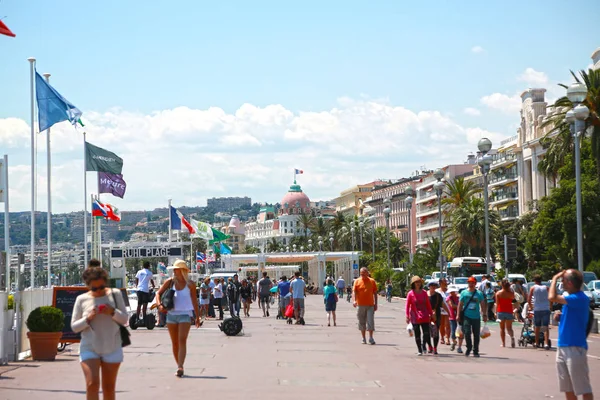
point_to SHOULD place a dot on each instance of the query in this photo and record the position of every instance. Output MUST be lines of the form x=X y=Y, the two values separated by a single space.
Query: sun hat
x=452 y=288
x=179 y=264
x=433 y=283
x=472 y=279
x=415 y=278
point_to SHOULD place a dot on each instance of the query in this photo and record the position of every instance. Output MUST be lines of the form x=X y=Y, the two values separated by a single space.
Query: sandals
x=179 y=372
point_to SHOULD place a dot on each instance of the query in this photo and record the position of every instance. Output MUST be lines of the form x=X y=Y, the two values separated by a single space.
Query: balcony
x=424 y=196
x=503 y=178
x=502 y=159
x=429 y=224
x=427 y=210
x=502 y=197
x=509 y=213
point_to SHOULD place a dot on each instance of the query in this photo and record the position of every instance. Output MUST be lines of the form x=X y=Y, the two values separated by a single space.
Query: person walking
x=330 y=297
x=419 y=313
x=238 y=286
x=437 y=305
x=445 y=321
x=365 y=300
x=298 y=289
x=97 y=315
x=490 y=296
x=180 y=316
x=571 y=356
x=143 y=280
x=504 y=311
x=520 y=296
x=246 y=296
x=388 y=291
x=264 y=293
x=452 y=302
x=471 y=307
x=538 y=302
x=283 y=290
x=211 y=298
x=217 y=295
x=340 y=285
x=204 y=297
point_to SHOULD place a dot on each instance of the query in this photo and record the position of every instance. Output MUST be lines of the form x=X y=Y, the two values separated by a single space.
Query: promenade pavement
x=274 y=360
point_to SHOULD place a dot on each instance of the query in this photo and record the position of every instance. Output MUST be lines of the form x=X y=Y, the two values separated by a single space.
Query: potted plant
x=10 y=312
x=45 y=326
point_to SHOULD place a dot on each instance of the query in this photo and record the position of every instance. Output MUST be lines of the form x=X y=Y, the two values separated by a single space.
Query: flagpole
x=99 y=225
x=7 y=225
x=32 y=255
x=49 y=214
x=169 y=211
x=85 y=200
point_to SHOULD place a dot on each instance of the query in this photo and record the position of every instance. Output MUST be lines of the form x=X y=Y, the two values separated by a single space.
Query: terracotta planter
x=44 y=345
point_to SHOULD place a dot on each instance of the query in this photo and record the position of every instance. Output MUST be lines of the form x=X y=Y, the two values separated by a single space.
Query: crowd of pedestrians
x=435 y=315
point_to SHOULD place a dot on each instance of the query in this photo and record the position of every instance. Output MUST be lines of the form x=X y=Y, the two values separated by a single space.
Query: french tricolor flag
x=178 y=220
x=298 y=171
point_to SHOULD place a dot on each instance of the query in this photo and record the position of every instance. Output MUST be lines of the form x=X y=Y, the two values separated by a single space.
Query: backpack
x=231 y=291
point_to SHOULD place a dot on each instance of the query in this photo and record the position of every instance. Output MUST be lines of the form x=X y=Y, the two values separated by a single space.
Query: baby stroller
x=527 y=331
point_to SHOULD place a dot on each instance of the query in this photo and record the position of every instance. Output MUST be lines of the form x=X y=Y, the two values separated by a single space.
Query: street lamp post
x=439 y=190
x=309 y=244
x=320 y=243
x=361 y=226
x=386 y=212
x=576 y=117
x=408 y=201
x=485 y=145
x=331 y=240
x=352 y=233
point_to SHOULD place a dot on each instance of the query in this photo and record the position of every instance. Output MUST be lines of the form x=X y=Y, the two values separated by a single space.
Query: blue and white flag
x=52 y=107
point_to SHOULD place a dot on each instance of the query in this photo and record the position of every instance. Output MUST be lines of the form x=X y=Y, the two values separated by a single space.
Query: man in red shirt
x=365 y=299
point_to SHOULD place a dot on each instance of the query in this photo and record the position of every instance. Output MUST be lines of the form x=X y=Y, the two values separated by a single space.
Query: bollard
x=594 y=326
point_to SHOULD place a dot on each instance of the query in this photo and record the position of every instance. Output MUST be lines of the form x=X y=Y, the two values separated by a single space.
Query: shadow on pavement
x=203 y=377
x=52 y=390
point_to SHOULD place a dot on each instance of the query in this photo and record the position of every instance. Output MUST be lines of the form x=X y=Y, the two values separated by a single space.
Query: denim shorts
x=116 y=357
x=506 y=316
x=541 y=318
x=179 y=319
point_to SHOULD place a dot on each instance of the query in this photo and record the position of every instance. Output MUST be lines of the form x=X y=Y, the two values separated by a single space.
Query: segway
x=231 y=326
x=149 y=323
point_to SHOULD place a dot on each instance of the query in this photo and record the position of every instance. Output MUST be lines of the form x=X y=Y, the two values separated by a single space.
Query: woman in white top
x=180 y=316
x=97 y=314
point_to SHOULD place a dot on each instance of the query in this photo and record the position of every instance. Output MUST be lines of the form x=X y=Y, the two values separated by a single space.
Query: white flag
x=203 y=230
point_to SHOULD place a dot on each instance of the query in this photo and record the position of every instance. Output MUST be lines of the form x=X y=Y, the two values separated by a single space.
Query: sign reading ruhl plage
x=146 y=252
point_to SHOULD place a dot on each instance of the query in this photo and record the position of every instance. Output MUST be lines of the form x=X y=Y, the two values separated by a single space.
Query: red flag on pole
x=5 y=31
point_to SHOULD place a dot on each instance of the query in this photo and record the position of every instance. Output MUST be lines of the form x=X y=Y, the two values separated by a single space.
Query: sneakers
x=371 y=341
x=467 y=353
x=453 y=347
x=476 y=355
x=430 y=351
x=435 y=351
x=364 y=341
x=459 y=350
x=419 y=354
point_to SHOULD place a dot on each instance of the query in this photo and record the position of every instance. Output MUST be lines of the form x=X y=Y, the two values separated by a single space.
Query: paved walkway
x=274 y=360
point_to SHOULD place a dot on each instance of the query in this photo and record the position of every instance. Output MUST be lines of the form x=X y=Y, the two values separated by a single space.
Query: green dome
x=295 y=188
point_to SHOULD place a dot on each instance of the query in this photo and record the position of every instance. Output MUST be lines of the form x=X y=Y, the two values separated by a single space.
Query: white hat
x=452 y=288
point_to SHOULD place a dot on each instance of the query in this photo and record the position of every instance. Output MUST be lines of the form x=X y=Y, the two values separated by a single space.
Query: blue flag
x=52 y=107
x=225 y=249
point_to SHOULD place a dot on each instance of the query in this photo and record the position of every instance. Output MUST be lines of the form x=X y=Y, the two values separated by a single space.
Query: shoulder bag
x=167 y=299
x=124 y=332
x=461 y=312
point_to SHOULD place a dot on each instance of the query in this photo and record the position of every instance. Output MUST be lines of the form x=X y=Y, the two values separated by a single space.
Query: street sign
x=355 y=266
x=146 y=252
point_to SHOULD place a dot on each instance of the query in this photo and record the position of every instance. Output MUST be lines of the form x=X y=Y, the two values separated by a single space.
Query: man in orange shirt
x=365 y=298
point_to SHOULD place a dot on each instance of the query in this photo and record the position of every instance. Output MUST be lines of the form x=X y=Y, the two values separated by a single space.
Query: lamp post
x=439 y=190
x=352 y=233
x=294 y=247
x=361 y=226
x=386 y=213
x=408 y=201
x=576 y=117
x=484 y=146
x=320 y=243
x=309 y=244
x=331 y=240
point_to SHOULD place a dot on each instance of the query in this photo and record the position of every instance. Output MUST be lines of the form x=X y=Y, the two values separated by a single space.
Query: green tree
x=306 y=222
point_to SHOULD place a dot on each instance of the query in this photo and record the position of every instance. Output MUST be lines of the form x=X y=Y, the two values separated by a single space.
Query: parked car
x=461 y=283
x=479 y=277
x=589 y=276
x=520 y=277
x=592 y=295
x=594 y=287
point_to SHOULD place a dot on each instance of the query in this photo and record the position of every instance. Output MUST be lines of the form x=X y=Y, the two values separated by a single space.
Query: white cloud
x=534 y=78
x=472 y=111
x=477 y=49
x=502 y=102
x=191 y=155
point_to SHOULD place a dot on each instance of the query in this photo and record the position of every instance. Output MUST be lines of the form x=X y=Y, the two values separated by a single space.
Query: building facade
x=281 y=227
x=352 y=201
x=220 y=204
x=237 y=235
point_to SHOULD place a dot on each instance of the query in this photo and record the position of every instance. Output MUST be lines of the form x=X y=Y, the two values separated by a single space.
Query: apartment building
x=228 y=203
x=426 y=202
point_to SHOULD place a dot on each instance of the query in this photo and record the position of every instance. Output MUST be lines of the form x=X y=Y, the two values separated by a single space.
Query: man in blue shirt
x=473 y=306
x=571 y=356
x=283 y=288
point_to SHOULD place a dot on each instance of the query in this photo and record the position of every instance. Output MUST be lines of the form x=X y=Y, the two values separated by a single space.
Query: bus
x=467 y=266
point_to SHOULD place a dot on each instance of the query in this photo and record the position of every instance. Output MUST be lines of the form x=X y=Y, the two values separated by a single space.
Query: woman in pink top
x=452 y=302
x=419 y=313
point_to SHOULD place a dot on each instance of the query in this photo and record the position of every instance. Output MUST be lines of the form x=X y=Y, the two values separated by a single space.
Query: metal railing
x=501 y=157
x=511 y=194
x=502 y=177
x=510 y=212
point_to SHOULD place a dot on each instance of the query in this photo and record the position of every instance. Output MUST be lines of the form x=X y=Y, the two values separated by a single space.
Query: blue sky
x=142 y=58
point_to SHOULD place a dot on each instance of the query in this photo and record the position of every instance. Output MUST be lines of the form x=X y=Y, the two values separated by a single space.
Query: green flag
x=102 y=160
x=218 y=236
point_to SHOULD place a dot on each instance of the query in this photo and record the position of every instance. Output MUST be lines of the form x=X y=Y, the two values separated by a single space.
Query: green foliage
x=46 y=319
x=594 y=267
x=11 y=302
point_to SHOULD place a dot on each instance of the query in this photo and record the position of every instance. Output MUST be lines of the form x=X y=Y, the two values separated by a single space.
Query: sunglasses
x=95 y=289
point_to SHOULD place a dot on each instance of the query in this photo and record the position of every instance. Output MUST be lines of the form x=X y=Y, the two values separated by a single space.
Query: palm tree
x=338 y=222
x=458 y=192
x=320 y=228
x=273 y=245
x=558 y=140
x=306 y=222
